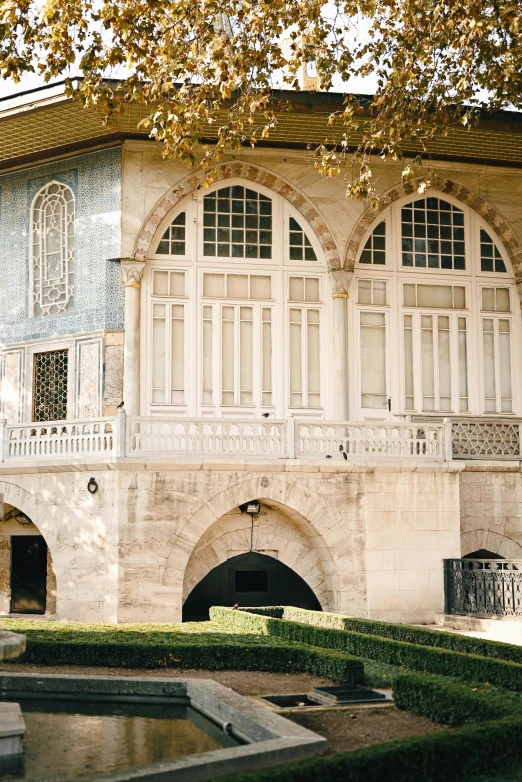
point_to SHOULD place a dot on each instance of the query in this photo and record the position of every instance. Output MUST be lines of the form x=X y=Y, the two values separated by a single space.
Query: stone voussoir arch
x=488 y=540
x=255 y=174
x=445 y=186
x=290 y=497
x=20 y=498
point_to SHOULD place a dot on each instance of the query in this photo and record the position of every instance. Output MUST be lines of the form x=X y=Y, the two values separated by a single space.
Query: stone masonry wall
x=368 y=540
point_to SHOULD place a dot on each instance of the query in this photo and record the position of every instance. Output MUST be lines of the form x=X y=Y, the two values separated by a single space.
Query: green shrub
x=438 y=757
x=398 y=632
x=449 y=703
x=176 y=652
x=421 y=658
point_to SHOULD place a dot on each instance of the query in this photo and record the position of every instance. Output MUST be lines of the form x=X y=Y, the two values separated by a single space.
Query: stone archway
x=485 y=539
x=446 y=187
x=276 y=532
x=251 y=173
x=25 y=519
x=339 y=548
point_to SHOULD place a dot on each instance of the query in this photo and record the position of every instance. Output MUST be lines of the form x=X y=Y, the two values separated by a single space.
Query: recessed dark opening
x=251 y=580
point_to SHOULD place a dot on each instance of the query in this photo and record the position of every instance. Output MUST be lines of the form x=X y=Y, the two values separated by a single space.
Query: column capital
x=131 y=272
x=340 y=280
x=519 y=289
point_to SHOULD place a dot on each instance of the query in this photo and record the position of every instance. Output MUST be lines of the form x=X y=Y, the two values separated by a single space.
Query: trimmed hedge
x=397 y=632
x=175 y=652
x=449 y=703
x=438 y=757
x=421 y=658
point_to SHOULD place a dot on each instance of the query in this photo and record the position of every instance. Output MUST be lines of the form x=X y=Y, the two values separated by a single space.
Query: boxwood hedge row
x=175 y=652
x=397 y=632
x=438 y=757
x=468 y=667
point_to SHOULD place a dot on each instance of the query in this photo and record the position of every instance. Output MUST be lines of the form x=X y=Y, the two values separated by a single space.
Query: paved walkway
x=505 y=632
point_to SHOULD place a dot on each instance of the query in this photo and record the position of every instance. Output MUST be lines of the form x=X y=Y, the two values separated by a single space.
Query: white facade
x=282 y=344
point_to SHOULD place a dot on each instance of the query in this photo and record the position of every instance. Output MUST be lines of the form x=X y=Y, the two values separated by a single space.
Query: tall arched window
x=52 y=250
x=434 y=318
x=236 y=293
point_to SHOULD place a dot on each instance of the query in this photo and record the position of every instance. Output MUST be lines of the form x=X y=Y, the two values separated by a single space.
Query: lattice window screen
x=53 y=250
x=50 y=385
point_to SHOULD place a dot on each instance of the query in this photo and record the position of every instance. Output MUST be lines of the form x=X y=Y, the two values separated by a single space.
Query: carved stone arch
x=298 y=504
x=35 y=512
x=254 y=174
x=448 y=187
x=485 y=539
x=20 y=498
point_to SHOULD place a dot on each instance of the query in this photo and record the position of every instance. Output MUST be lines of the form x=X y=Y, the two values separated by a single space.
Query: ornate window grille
x=50 y=385
x=52 y=226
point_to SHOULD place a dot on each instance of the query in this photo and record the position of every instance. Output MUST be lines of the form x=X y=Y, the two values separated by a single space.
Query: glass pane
x=311 y=289
x=502 y=300
x=296 y=383
x=207 y=355
x=504 y=343
x=314 y=351
x=435 y=296
x=267 y=353
x=158 y=352
x=160 y=284
x=459 y=298
x=214 y=285
x=260 y=287
x=375 y=248
x=373 y=360
x=364 y=292
x=237 y=286
x=428 y=377
x=178 y=352
x=488 y=299
x=444 y=363
x=410 y=296
x=490 y=257
x=379 y=292
x=177 y=284
x=227 y=355
x=463 y=365
x=244 y=210
x=408 y=362
x=488 y=338
x=246 y=351
x=433 y=235
x=296 y=291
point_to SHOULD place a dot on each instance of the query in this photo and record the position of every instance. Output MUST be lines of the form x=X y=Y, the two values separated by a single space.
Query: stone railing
x=400 y=441
x=260 y=439
x=206 y=437
x=60 y=439
x=486 y=438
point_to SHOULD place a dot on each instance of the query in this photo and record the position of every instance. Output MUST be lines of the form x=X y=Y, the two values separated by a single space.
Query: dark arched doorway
x=249 y=580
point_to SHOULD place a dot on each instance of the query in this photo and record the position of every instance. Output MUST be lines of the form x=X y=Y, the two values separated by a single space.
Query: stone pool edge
x=273 y=739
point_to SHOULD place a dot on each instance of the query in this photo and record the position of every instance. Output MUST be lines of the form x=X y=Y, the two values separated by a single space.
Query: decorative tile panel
x=95 y=180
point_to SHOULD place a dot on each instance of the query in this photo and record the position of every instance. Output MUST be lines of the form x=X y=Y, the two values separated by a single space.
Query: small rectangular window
x=373 y=360
x=304 y=289
x=50 y=385
x=237 y=286
x=495 y=300
x=446 y=297
x=165 y=283
x=373 y=292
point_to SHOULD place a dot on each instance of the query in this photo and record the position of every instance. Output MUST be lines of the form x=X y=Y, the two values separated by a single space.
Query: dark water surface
x=70 y=739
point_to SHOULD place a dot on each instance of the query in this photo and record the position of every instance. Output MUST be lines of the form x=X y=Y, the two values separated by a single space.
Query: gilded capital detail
x=131 y=272
x=340 y=281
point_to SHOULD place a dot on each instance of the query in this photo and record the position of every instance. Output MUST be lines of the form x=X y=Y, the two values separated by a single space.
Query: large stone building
x=356 y=372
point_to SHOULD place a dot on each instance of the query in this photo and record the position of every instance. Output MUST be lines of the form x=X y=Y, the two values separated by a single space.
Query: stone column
x=131 y=274
x=340 y=280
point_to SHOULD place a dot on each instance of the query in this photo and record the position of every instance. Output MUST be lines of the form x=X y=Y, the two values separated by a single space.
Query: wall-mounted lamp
x=252 y=508
x=92 y=486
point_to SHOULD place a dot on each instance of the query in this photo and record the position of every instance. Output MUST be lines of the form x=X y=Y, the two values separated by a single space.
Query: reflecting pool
x=74 y=739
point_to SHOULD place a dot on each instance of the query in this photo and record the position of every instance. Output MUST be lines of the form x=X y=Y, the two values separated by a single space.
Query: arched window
x=434 y=317
x=236 y=291
x=52 y=250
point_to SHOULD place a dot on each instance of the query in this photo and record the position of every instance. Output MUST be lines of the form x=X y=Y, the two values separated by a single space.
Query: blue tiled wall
x=95 y=179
